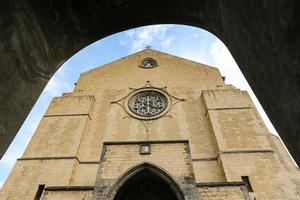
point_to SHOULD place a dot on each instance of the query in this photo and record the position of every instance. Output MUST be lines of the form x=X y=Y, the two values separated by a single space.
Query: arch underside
x=38 y=36
x=145 y=182
x=145 y=187
x=148 y=185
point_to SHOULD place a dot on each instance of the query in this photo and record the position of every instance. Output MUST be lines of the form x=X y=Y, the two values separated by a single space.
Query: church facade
x=153 y=126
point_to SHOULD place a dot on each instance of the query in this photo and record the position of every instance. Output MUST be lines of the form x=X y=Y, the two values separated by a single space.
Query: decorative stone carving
x=148 y=103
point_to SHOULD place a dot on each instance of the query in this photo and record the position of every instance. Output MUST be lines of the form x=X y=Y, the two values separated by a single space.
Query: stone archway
x=145 y=182
x=146 y=185
x=38 y=36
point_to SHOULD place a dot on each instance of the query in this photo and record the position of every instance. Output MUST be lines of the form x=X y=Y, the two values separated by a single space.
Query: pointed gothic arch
x=145 y=181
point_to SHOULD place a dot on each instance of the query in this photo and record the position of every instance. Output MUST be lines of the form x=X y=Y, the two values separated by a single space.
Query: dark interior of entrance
x=146 y=186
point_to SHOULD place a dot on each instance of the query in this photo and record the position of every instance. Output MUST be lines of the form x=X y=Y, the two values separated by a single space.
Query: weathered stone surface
x=224 y=192
x=38 y=36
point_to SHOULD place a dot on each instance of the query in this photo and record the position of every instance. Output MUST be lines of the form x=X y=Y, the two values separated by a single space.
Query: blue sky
x=183 y=41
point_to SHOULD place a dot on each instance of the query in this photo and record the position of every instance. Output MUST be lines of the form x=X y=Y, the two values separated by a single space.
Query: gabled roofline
x=144 y=50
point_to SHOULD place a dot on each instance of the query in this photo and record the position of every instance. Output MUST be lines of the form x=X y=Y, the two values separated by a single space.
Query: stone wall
x=27 y=175
x=67 y=193
x=227 y=191
x=172 y=157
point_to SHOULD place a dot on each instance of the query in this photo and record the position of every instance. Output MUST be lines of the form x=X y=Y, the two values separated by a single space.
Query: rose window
x=148 y=103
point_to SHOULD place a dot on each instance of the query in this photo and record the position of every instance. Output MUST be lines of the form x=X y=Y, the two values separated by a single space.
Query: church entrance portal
x=148 y=184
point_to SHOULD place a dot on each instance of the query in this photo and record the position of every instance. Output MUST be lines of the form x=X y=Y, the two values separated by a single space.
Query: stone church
x=153 y=126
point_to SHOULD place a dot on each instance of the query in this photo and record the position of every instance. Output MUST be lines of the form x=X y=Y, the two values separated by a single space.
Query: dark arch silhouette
x=145 y=182
x=37 y=37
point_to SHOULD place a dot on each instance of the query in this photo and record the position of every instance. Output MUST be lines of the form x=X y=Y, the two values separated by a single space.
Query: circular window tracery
x=148 y=103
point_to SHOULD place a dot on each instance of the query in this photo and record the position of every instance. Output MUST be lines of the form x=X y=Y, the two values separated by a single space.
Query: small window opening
x=145 y=149
x=148 y=63
x=39 y=192
x=248 y=184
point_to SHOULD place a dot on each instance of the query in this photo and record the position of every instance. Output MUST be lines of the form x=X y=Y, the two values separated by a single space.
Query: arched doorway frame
x=152 y=168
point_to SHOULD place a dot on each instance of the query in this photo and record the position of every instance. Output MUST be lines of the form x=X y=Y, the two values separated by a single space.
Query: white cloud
x=197 y=55
x=167 y=42
x=51 y=87
x=1 y=184
x=9 y=158
x=58 y=84
x=149 y=35
x=130 y=33
x=196 y=35
x=228 y=67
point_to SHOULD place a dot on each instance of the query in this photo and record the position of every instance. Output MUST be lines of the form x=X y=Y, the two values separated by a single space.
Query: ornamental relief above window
x=147 y=103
